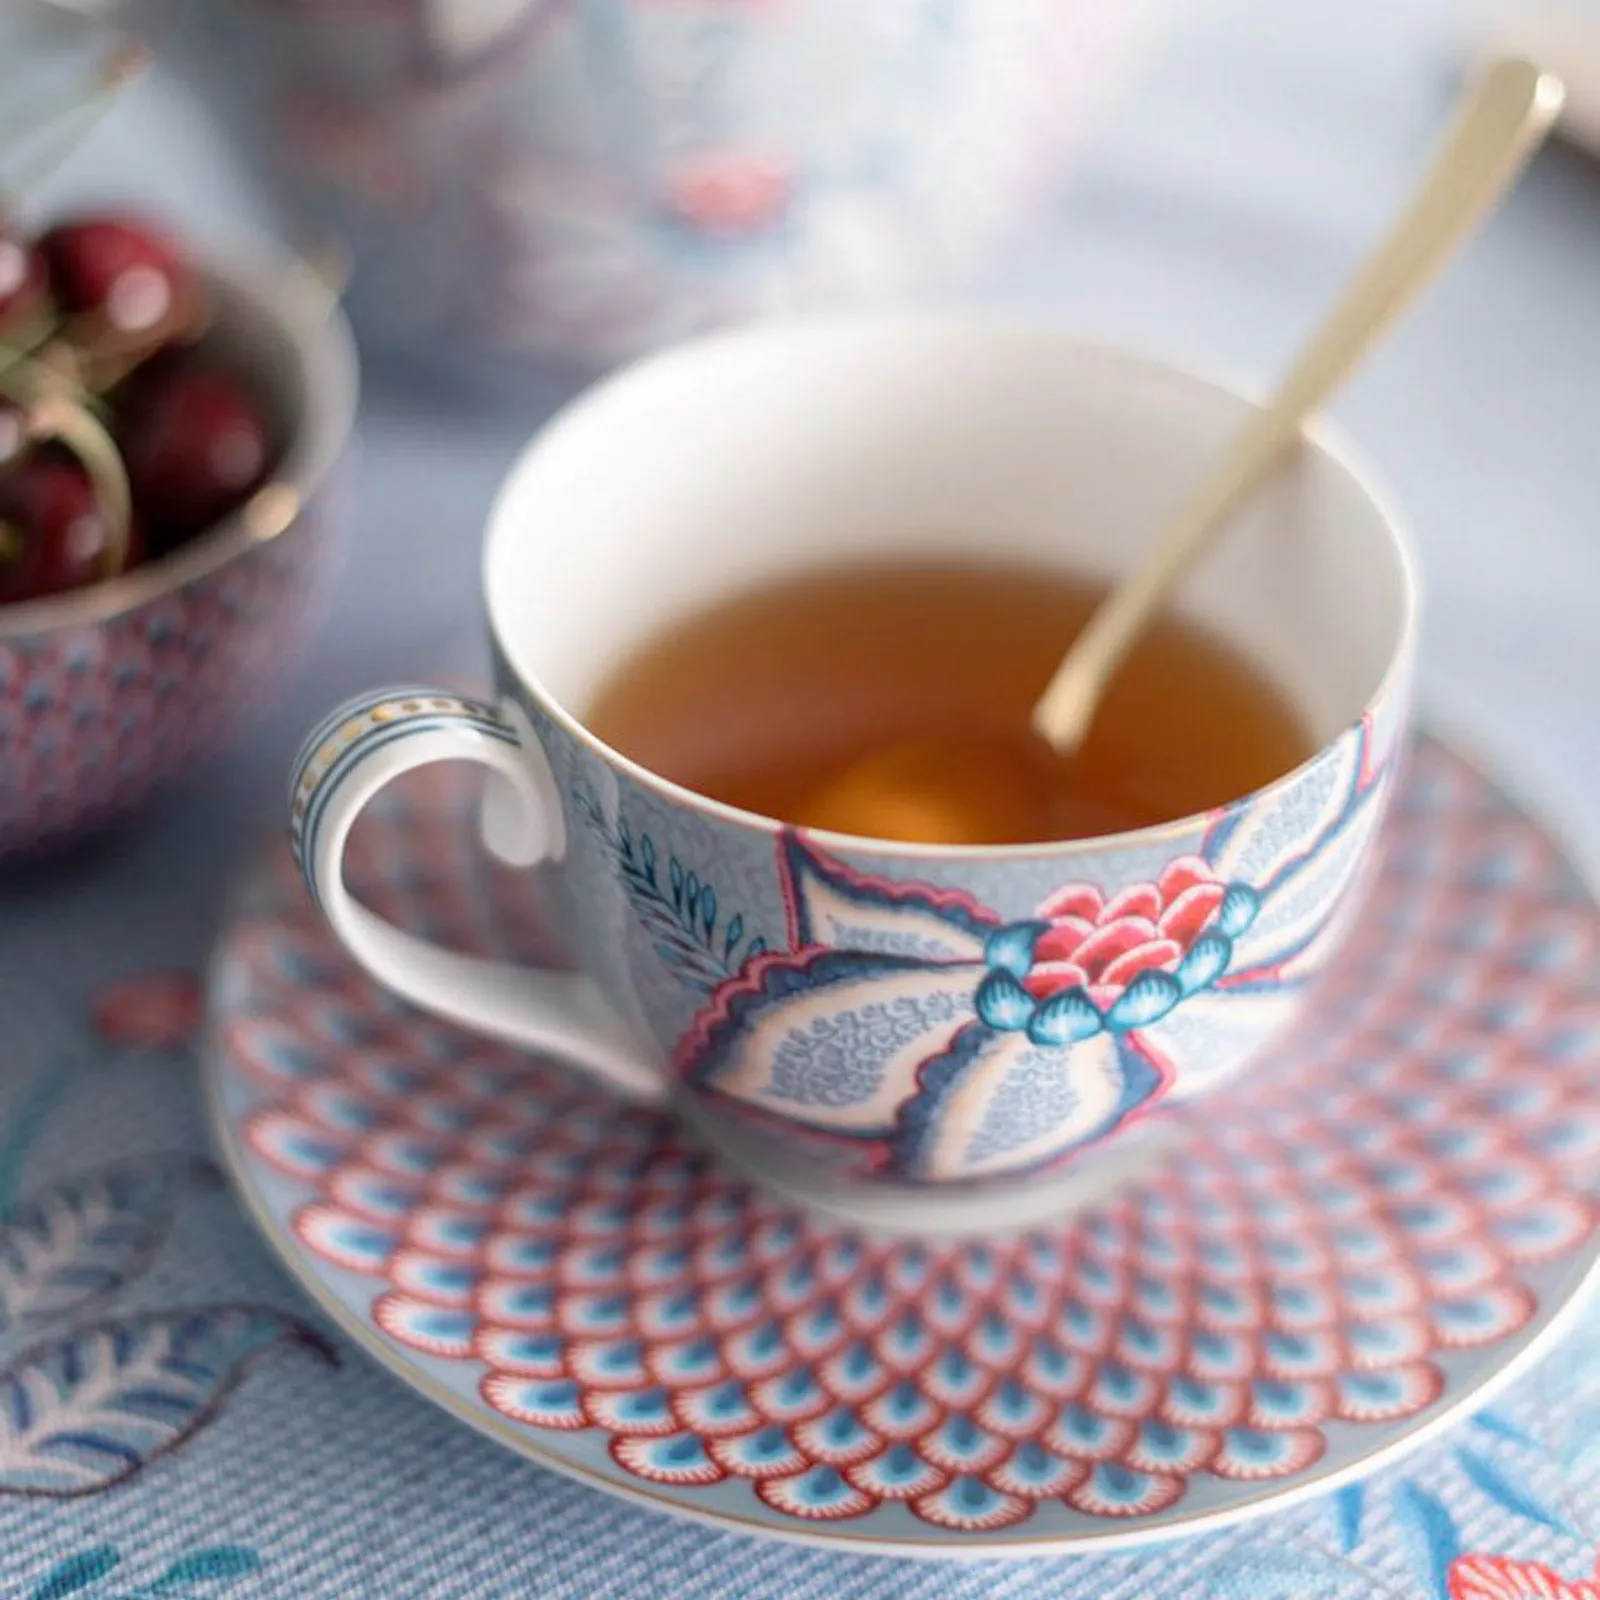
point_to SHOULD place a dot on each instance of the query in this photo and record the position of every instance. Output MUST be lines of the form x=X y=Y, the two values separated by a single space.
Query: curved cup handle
x=352 y=754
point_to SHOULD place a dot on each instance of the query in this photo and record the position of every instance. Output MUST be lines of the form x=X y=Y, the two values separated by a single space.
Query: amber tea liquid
x=892 y=699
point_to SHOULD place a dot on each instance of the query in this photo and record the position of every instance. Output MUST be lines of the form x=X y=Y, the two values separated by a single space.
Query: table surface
x=1257 y=150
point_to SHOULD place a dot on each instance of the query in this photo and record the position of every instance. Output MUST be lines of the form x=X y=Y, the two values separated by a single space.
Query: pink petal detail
x=1137 y=900
x=1155 y=953
x=1104 y=945
x=1076 y=900
x=1054 y=977
x=1185 y=919
x=1181 y=875
x=1060 y=941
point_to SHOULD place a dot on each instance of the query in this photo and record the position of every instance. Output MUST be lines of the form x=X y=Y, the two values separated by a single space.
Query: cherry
x=122 y=271
x=53 y=534
x=24 y=286
x=194 y=445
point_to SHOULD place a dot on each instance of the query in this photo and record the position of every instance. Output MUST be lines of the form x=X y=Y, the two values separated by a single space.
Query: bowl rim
x=519 y=685
x=324 y=353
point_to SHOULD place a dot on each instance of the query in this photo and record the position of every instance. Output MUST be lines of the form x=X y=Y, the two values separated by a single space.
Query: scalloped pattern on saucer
x=1358 y=1238
x=97 y=715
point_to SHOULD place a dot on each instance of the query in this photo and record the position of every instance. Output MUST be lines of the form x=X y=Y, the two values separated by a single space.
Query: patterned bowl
x=108 y=693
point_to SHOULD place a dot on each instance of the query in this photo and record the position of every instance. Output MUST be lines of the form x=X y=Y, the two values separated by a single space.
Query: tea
x=892 y=699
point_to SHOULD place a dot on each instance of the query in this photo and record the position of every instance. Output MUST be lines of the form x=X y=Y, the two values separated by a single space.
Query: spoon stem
x=1502 y=122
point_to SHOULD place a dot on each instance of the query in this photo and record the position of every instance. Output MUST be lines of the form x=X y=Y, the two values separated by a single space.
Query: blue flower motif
x=955 y=1044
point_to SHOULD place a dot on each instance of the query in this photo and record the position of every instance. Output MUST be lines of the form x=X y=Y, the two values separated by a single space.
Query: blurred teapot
x=578 y=180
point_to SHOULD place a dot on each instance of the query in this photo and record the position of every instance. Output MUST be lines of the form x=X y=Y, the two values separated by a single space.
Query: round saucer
x=1367 y=1235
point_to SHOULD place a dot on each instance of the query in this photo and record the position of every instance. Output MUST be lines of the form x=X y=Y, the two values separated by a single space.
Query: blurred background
x=532 y=190
x=526 y=193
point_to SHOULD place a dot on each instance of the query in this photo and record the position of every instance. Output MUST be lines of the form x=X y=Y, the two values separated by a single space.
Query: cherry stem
x=53 y=366
x=102 y=357
x=12 y=355
x=61 y=418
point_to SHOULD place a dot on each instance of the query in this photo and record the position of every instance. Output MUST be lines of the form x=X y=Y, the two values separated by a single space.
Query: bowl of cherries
x=168 y=433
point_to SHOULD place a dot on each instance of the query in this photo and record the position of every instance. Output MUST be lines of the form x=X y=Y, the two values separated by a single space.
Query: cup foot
x=956 y=1212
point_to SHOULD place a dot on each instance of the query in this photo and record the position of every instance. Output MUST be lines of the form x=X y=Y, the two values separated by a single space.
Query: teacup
x=848 y=1018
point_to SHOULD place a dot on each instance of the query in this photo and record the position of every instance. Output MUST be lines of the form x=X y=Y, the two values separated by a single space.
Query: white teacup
x=861 y=1022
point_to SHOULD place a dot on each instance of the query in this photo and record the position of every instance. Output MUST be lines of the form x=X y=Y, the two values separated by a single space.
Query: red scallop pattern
x=1385 y=1190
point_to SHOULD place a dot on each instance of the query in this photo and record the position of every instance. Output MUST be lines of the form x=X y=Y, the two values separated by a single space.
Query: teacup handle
x=354 y=752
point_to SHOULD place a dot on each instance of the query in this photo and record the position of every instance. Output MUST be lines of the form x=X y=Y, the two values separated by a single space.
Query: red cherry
x=121 y=269
x=24 y=285
x=53 y=534
x=194 y=445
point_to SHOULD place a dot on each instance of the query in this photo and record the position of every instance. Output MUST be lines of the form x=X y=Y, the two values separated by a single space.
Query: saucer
x=1366 y=1236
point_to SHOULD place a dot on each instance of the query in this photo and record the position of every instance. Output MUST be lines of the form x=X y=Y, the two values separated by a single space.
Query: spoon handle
x=1501 y=123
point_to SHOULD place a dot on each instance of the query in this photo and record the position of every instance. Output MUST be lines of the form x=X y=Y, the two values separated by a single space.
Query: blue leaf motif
x=82 y=1413
x=1012 y=947
x=219 y=1565
x=1003 y=1003
x=1206 y=961
x=1347 y=1508
x=1497 y=1422
x=75 y=1574
x=1147 y=999
x=1238 y=909
x=681 y=915
x=1064 y=1019
x=1488 y=1477
x=1431 y=1532
x=78 y=1243
x=583 y=797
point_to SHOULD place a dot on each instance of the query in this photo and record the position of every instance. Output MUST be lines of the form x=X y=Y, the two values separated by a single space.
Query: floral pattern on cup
x=954 y=1044
x=1394 y=1211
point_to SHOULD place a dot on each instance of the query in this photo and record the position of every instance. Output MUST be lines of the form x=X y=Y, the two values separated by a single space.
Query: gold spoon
x=1503 y=119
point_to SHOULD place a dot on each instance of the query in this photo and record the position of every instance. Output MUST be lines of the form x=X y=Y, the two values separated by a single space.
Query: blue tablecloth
x=1247 y=166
